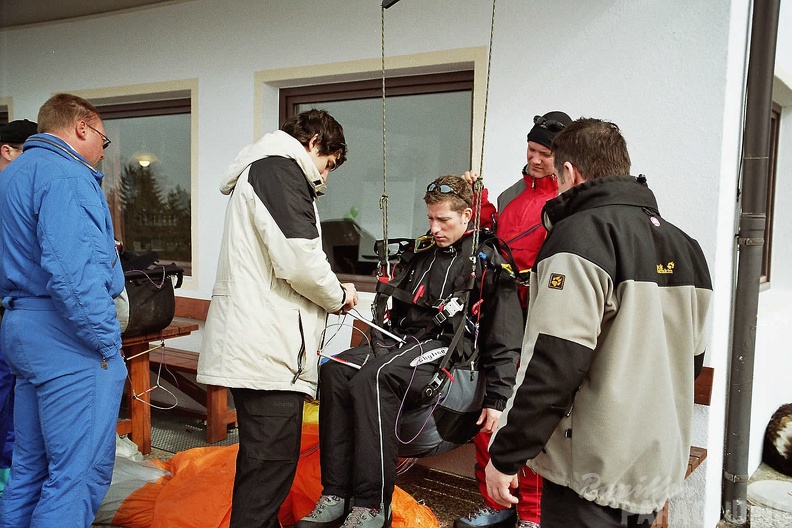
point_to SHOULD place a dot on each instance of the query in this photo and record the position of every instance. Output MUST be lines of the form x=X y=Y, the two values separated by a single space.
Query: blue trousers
x=7 y=381
x=66 y=410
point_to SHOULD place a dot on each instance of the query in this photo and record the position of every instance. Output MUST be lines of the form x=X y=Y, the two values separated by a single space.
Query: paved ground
x=763 y=517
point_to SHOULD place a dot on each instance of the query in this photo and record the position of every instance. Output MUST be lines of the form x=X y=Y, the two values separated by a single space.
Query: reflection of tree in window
x=153 y=222
x=147 y=172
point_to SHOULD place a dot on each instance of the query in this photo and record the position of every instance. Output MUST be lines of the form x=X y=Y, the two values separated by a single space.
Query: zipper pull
x=104 y=364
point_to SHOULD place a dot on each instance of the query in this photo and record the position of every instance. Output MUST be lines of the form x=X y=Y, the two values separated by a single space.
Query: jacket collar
x=60 y=147
x=610 y=190
x=548 y=183
x=278 y=143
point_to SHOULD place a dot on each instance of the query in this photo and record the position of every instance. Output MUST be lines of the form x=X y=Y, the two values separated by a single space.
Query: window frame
x=770 y=190
x=117 y=99
x=267 y=85
x=5 y=110
x=418 y=84
x=372 y=88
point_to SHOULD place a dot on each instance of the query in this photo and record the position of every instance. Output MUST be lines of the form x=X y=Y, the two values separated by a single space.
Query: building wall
x=669 y=73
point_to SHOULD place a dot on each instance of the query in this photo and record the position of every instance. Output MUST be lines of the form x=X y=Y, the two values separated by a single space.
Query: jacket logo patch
x=556 y=281
x=667 y=269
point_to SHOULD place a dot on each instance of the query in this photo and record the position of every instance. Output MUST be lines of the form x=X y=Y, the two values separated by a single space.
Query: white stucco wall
x=669 y=73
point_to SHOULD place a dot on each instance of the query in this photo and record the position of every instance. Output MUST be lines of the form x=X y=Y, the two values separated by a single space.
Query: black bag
x=147 y=303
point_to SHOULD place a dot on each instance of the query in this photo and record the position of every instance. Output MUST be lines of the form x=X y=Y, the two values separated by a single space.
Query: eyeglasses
x=550 y=124
x=105 y=140
x=442 y=188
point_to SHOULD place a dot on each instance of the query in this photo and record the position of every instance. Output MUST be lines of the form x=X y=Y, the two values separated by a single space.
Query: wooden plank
x=139 y=382
x=702 y=390
x=217 y=414
x=661 y=521
x=192 y=308
x=697 y=456
x=213 y=397
x=176 y=329
x=359 y=329
x=123 y=426
x=176 y=359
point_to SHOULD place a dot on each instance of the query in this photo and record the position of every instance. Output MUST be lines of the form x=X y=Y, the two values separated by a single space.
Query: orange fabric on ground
x=198 y=494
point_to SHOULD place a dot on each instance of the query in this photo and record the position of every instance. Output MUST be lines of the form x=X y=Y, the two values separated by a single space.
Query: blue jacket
x=57 y=243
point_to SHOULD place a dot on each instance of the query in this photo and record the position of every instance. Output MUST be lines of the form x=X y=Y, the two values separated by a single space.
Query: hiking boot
x=329 y=512
x=361 y=517
x=527 y=524
x=486 y=517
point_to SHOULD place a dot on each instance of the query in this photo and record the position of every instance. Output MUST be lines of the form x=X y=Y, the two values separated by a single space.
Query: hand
x=351 y=297
x=470 y=176
x=499 y=484
x=488 y=420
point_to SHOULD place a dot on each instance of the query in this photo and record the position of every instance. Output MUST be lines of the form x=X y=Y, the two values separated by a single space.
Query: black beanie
x=16 y=132
x=540 y=133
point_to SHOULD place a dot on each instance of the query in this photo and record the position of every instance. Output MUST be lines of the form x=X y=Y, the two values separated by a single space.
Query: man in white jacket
x=273 y=290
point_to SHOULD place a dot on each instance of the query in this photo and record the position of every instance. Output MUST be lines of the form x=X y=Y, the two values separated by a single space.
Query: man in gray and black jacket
x=614 y=340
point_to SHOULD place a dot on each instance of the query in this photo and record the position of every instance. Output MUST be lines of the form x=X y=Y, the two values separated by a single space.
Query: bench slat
x=214 y=398
x=702 y=389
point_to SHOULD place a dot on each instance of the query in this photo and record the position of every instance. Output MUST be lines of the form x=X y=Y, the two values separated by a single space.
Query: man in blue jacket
x=59 y=273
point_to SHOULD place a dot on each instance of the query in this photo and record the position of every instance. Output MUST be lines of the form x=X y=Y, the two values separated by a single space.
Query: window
x=428 y=134
x=147 y=171
x=5 y=110
x=775 y=122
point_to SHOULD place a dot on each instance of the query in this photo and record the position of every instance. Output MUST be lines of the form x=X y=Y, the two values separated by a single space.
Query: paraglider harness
x=492 y=254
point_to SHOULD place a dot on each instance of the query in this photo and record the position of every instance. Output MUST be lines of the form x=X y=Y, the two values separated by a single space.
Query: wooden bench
x=702 y=395
x=180 y=362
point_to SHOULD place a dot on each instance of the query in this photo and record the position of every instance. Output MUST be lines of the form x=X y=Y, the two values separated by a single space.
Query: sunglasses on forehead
x=441 y=188
x=550 y=124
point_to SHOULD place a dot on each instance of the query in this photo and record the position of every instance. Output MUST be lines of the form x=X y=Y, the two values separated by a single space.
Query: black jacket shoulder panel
x=282 y=188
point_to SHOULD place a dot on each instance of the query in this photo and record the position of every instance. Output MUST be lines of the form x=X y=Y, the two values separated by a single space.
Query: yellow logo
x=556 y=281
x=667 y=269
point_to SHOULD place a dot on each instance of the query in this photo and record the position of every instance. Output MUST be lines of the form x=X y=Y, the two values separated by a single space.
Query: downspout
x=750 y=243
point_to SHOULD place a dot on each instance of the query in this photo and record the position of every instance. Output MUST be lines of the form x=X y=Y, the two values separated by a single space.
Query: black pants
x=564 y=508
x=270 y=426
x=358 y=410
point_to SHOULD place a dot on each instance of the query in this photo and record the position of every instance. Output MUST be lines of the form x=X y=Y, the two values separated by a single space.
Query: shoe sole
x=506 y=523
x=329 y=524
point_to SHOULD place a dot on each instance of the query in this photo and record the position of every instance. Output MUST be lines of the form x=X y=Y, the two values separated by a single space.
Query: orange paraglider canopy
x=197 y=494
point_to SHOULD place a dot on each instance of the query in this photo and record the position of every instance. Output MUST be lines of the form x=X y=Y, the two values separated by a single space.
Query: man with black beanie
x=12 y=136
x=518 y=221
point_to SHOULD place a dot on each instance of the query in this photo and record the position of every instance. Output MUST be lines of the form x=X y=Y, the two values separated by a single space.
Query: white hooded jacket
x=274 y=284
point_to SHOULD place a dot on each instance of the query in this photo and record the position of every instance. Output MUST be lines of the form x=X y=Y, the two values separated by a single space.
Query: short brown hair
x=63 y=110
x=594 y=147
x=313 y=122
x=460 y=197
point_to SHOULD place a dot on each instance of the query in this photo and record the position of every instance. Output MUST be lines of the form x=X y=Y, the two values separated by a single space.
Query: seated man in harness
x=452 y=323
